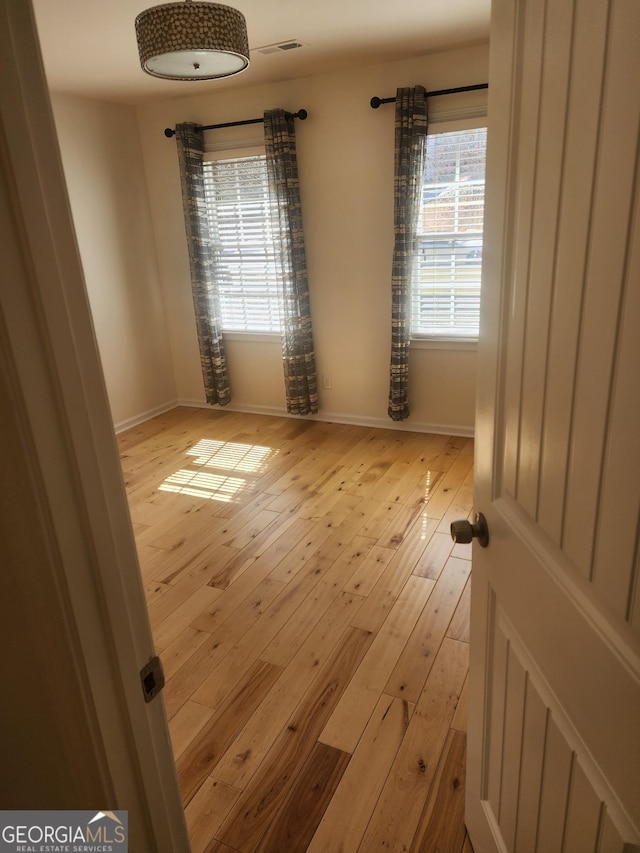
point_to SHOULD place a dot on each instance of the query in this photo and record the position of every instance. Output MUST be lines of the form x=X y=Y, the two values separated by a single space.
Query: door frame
x=51 y=357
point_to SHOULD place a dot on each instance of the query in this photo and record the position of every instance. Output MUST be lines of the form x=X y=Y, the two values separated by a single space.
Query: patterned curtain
x=298 y=355
x=205 y=298
x=410 y=153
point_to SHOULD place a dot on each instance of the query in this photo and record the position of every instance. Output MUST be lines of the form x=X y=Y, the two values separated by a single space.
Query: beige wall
x=107 y=189
x=137 y=273
x=345 y=154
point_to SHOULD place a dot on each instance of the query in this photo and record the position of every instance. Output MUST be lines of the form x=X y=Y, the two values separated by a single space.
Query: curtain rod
x=376 y=102
x=301 y=114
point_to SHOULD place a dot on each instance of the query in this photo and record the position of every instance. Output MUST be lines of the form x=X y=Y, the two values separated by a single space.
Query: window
x=446 y=277
x=238 y=205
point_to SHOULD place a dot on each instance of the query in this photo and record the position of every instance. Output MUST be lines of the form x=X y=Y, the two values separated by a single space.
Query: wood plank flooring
x=312 y=616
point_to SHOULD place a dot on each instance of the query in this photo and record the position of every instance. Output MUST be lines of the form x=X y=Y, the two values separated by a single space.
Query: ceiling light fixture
x=192 y=41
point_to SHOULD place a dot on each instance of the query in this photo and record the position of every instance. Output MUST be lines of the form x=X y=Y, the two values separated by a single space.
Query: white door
x=554 y=717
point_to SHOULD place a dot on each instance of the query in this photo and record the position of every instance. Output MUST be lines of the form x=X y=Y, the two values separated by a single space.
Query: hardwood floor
x=311 y=613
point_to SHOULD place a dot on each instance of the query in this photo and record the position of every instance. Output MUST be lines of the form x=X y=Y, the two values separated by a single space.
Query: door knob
x=463 y=531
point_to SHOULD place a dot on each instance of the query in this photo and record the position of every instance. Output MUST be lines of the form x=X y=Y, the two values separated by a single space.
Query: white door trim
x=52 y=354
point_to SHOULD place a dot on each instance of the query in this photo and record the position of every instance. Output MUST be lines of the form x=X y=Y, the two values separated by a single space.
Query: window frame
x=438 y=124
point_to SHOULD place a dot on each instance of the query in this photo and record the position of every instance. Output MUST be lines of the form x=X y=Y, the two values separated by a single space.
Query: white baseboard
x=127 y=423
x=401 y=426
x=339 y=418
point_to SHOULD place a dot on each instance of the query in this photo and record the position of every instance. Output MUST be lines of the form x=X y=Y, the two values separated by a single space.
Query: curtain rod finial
x=169 y=132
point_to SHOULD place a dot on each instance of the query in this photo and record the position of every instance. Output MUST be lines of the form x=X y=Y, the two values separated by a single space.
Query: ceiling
x=89 y=46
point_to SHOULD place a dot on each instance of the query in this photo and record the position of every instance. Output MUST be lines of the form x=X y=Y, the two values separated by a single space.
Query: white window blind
x=446 y=276
x=238 y=206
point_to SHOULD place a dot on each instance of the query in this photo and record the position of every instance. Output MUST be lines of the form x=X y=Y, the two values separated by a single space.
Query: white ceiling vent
x=292 y=44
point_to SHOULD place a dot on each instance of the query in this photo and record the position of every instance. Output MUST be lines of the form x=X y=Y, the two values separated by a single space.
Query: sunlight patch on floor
x=225 y=456
x=251 y=458
x=425 y=500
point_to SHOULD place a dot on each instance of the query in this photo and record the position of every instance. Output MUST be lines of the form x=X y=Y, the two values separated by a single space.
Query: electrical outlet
x=326 y=381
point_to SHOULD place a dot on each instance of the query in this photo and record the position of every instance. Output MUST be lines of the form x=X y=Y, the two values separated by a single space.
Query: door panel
x=581 y=133
x=542 y=790
x=554 y=738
